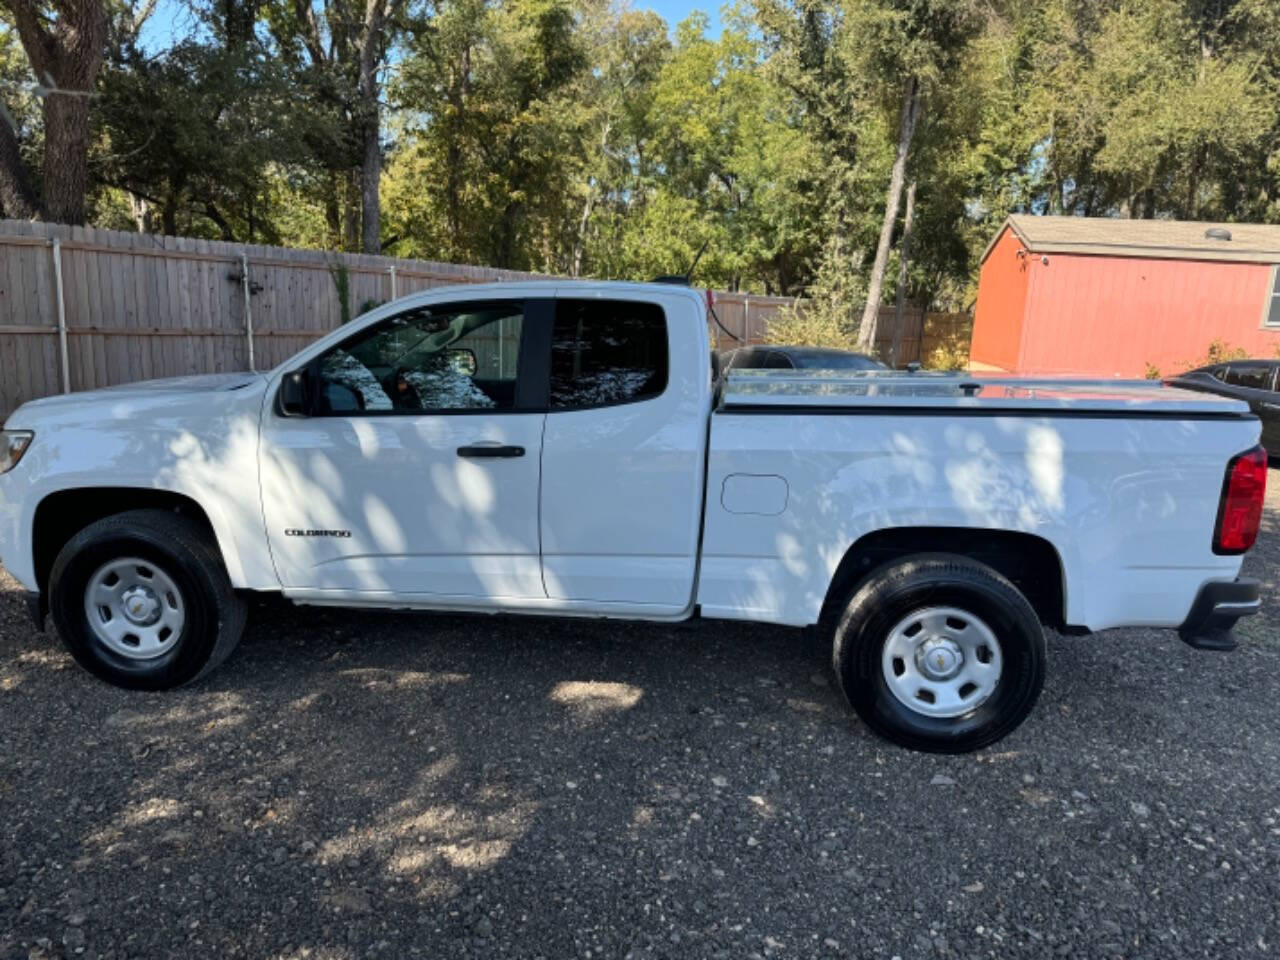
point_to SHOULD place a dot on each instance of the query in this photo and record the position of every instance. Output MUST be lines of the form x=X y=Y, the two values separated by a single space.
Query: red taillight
x=1240 y=512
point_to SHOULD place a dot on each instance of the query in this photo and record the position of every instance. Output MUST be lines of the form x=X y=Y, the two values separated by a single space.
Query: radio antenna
x=696 y=257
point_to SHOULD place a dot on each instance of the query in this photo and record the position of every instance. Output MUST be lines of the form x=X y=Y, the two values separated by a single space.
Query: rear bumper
x=1218 y=605
x=36 y=608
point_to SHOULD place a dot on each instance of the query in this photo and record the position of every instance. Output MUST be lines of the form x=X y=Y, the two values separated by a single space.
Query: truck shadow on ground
x=353 y=785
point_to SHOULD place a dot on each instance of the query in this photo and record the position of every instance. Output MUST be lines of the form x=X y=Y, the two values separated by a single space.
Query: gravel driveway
x=358 y=785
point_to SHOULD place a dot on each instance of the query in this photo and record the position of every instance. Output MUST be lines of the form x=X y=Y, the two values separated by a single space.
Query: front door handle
x=491 y=450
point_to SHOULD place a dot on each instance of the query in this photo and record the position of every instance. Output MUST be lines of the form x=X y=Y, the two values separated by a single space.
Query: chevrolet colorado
x=566 y=448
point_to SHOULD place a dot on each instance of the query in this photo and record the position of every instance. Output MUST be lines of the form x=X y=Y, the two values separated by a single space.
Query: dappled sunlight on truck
x=561 y=448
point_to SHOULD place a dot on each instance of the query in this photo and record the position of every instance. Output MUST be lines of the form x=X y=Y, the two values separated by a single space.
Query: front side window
x=1254 y=377
x=441 y=358
x=606 y=352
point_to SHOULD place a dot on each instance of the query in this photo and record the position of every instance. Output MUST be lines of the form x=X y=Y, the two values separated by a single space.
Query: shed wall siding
x=1002 y=302
x=1112 y=316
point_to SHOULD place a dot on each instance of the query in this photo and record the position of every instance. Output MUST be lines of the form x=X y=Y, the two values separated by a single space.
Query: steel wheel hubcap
x=134 y=608
x=942 y=661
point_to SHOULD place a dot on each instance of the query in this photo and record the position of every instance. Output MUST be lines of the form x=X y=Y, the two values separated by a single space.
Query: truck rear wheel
x=940 y=653
x=141 y=599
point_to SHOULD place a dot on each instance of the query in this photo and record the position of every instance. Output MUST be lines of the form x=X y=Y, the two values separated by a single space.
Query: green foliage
x=829 y=317
x=572 y=136
x=948 y=356
x=1218 y=351
x=196 y=134
x=1152 y=372
x=341 y=278
x=486 y=175
x=16 y=82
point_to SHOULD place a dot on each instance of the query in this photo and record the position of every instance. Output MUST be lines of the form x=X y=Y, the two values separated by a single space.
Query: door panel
x=418 y=473
x=622 y=459
x=387 y=504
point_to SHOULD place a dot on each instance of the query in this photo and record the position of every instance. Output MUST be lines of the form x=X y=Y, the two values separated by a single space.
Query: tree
x=64 y=41
x=371 y=45
x=18 y=122
x=198 y=135
x=908 y=49
x=488 y=168
x=628 y=52
x=337 y=50
x=908 y=117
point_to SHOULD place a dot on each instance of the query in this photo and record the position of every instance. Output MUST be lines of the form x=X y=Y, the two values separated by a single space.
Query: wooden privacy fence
x=922 y=333
x=82 y=308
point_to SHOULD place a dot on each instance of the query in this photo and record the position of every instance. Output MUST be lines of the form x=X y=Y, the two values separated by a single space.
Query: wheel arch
x=62 y=514
x=1030 y=562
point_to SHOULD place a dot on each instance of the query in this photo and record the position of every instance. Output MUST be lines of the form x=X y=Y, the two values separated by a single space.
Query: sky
x=172 y=19
x=673 y=11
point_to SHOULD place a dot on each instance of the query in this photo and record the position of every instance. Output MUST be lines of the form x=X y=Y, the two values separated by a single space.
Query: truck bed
x=1121 y=478
x=878 y=392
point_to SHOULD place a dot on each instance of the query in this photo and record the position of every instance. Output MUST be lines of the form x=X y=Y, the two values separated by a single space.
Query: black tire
x=214 y=616
x=889 y=596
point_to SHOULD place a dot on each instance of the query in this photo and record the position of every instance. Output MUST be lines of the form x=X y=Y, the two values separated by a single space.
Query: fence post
x=248 y=310
x=746 y=320
x=62 y=315
x=392 y=271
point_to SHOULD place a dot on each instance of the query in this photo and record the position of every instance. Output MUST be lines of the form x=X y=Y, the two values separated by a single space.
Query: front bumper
x=1218 y=605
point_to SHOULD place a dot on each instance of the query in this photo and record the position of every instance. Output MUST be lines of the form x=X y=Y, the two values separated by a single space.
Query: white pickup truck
x=568 y=449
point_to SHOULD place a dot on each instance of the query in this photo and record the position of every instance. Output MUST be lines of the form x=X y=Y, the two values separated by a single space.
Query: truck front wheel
x=940 y=653
x=141 y=599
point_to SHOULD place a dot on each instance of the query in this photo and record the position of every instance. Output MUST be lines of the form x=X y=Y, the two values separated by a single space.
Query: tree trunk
x=459 y=101
x=580 y=241
x=370 y=175
x=350 y=211
x=908 y=115
x=508 y=230
x=17 y=198
x=143 y=215
x=372 y=47
x=333 y=210
x=371 y=147
x=588 y=206
x=66 y=157
x=904 y=260
x=65 y=53
x=169 y=214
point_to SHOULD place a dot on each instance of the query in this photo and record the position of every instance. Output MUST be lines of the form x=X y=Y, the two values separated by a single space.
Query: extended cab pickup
x=567 y=448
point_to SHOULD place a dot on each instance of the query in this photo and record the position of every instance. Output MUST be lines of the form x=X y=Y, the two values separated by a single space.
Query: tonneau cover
x=879 y=391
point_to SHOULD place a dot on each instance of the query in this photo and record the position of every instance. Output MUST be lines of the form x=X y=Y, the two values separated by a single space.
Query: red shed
x=1107 y=297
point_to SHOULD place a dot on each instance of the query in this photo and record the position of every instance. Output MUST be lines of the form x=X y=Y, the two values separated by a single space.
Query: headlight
x=13 y=444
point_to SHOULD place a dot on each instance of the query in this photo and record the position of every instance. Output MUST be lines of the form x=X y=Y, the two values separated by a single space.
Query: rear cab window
x=607 y=352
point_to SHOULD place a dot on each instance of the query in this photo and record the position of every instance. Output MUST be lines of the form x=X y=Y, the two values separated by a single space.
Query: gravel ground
x=353 y=785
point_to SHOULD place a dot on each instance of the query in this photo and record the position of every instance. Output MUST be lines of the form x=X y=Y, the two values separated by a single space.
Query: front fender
x=210 y=458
